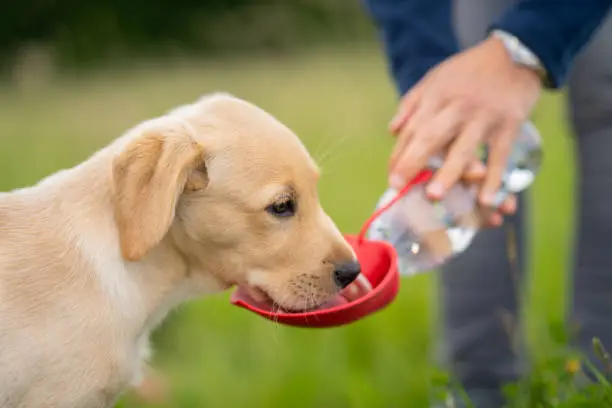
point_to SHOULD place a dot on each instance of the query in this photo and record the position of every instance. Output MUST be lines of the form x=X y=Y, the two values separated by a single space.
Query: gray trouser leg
x=590 y=97
x=480 y=288
x=481 y=285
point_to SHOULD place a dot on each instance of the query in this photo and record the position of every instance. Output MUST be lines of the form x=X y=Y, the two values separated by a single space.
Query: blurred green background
x=75 y=75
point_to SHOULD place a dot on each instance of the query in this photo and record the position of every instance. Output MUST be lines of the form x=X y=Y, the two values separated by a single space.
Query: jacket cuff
x=555 y=34
x=551 y=55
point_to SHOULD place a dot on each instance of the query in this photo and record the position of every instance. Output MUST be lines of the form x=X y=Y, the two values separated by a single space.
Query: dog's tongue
x=242 y=294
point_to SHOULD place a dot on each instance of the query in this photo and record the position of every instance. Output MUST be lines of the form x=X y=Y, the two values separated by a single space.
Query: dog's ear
x=148 y=177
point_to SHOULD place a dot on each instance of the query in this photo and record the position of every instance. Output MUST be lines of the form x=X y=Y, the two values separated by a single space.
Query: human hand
x=478 y=96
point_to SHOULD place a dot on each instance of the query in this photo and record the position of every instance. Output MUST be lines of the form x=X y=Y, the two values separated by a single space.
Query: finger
x=430 y=131
x=509 y=205
x=460 y=154
x=495 y=220
x=499 y=150
x=406 y=108
x=400 y=146
x=419 y=117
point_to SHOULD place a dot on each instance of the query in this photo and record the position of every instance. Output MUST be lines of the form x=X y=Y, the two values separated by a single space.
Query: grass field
x=339 y=102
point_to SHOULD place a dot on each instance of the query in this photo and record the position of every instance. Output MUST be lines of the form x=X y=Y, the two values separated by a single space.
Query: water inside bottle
x=426 y=234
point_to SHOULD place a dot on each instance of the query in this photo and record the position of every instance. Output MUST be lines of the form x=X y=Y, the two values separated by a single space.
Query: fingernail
x=435 y=190
x=396 y=181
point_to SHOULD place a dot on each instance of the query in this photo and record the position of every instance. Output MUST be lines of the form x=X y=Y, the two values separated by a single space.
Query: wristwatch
x=521 y=55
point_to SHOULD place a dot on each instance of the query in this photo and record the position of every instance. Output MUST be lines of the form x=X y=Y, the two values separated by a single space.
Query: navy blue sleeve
x=555 y=31
x=416 y=35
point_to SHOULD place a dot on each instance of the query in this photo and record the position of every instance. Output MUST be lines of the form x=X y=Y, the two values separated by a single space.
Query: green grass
x=339 y=102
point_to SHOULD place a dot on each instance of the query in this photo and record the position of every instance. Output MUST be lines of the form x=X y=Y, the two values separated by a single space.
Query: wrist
x=523 y=72
x=521 y=55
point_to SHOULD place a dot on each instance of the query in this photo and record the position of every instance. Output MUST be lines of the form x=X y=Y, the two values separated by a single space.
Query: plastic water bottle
x=426 y=234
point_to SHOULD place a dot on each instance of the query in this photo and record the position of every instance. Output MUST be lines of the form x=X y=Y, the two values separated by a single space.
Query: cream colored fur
x=92 y=258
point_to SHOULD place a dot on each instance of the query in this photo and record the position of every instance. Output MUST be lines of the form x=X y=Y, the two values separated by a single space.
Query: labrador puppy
x=210 y=195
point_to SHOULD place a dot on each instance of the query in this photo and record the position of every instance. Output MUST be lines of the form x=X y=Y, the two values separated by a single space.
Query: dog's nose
x=345 y=273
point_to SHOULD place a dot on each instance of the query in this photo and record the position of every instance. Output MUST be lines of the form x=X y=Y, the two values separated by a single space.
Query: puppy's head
x=235 y=192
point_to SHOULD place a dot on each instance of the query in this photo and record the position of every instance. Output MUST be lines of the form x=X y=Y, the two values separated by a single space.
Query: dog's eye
x=282 y=208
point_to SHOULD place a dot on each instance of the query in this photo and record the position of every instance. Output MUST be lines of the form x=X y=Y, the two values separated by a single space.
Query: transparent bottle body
x=426 y=234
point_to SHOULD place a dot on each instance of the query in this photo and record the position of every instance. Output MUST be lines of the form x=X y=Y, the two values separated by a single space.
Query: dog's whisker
x=276 y=327
x=326 y=168
x=331 y=152
x=319 y=149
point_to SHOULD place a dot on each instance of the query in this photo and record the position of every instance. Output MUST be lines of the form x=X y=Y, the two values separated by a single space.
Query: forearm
x=555 y=31
x=416 y=34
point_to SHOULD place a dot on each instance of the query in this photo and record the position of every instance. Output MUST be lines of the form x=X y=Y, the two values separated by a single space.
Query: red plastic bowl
x=378 y=265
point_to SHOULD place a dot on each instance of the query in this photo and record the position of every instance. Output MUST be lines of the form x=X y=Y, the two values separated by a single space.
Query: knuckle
x=489 y=112
x=499 y=154
x=430 y=134
x=496 y=169
x=450 y=172
x=412 y=127
x=395 y=155
x=445 y=179
x=491 y=185
x=404 y=166
x=466 y=104
x=512 y=117
x=416 y=153
x=404 y=135
x=464 y=152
